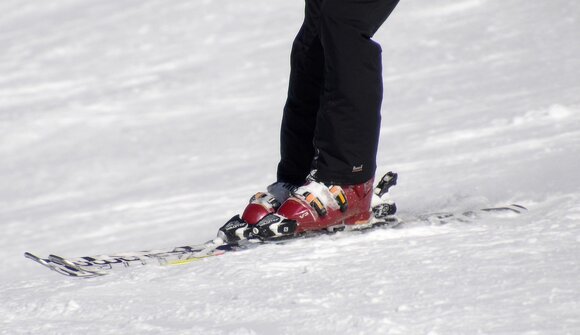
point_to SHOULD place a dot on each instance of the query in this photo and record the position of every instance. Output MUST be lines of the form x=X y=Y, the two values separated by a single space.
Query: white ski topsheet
x=128 y=125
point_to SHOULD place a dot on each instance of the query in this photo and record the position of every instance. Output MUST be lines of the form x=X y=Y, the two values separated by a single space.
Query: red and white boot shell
x=316 y=206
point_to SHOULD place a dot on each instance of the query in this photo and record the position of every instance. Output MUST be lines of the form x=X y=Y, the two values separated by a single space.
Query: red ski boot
x=313 y=206
x=316 y=206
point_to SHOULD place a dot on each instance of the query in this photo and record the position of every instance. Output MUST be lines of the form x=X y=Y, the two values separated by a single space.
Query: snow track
x=122 y=123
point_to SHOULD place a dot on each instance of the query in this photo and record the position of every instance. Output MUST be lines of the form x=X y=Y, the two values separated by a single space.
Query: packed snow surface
x=129 y=125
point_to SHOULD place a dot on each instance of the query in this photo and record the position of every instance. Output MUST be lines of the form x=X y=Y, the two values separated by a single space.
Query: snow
x=127 y=125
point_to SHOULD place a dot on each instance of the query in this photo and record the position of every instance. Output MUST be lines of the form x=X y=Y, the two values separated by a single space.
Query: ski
x=101 y=265
x=471 y=215
x=235 y=236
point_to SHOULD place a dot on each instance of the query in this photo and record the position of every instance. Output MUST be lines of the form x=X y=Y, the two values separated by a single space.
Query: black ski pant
x=332 y=118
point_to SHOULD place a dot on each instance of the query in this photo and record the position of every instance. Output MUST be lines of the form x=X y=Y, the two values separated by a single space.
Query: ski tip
x=32 y=256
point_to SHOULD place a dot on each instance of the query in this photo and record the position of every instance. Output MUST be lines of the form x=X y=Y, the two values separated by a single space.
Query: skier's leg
x=304 y=91
x=348 y=122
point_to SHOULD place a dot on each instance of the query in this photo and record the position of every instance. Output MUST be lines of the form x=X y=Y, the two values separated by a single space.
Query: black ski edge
x=500 y=209
x=515 y=208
